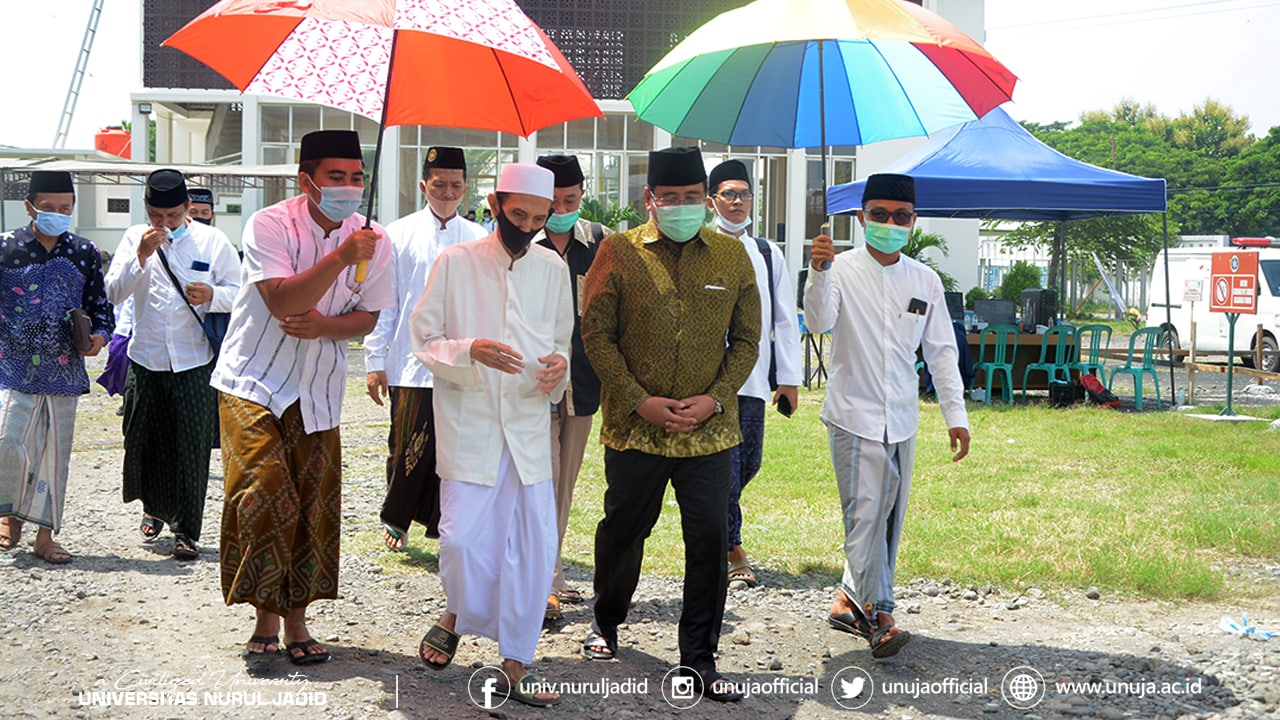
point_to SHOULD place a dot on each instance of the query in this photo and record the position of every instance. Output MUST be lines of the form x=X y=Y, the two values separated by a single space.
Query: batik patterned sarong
x=281 y=519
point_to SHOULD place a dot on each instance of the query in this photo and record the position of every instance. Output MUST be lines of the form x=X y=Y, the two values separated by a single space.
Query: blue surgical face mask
x=177 y=234
x=339 y=202
x=681 y=223
x=886 y=237
x=51 y=224
x=562 y=223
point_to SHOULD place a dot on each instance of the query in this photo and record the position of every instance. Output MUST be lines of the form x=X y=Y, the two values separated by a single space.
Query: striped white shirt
x=261 y=364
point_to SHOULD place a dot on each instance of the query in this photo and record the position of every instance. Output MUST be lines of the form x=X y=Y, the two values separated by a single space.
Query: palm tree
x=921 y=241
x=610 y=215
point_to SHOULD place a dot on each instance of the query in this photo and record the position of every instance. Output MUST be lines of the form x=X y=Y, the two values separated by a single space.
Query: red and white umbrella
x=480 y=64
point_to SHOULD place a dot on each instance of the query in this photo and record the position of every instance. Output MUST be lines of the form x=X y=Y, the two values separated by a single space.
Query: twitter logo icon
x=852 y=688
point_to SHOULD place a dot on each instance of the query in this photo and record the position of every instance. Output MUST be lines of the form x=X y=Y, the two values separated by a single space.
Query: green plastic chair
x=1146 y=343
x=1002 y=354
x=1089 y=342
x=1061 y=362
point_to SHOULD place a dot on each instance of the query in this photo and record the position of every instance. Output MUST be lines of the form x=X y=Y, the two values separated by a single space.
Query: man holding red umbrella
x=282 y=373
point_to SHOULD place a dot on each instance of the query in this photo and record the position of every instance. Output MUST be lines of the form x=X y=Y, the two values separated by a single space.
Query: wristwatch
x=719 y=408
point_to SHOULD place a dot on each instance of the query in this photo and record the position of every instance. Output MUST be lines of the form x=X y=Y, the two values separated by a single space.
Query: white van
x=1211 y=327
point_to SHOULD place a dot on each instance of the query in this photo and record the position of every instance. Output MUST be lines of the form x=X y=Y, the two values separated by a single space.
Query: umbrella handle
x=824 y=229
x=361 y=269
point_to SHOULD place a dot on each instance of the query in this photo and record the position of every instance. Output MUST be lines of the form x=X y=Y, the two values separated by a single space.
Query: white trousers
x=497 y=555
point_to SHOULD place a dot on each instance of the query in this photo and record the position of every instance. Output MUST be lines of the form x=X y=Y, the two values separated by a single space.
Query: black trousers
x=632 y=503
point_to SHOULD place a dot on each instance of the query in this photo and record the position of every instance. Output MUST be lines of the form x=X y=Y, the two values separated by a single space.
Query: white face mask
x=732 y=227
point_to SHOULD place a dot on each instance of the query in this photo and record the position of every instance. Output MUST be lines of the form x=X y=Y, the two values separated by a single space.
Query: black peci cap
x=888 y=186
x=166 y=188
x=728 y=170
x=330 y=144
x=676 y=166
x=51 y=181
x=565 y=167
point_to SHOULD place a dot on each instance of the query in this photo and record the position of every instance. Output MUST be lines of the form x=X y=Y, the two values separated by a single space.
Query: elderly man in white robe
x=494 y=327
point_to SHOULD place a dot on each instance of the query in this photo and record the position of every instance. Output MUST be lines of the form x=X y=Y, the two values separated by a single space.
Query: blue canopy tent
x=993 y=167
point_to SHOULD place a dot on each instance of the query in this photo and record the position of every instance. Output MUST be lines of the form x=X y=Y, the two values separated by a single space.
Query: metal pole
x=1231 y=356
x=1168 y=312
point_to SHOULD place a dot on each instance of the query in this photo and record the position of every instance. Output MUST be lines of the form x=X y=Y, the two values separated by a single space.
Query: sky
x=1070 y=57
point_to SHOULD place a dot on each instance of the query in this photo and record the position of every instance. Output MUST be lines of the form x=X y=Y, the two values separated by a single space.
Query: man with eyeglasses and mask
x=777 y=370
x=671 y=323
x=413 y=489
x=48 y=272
x=282 y=373
x=494 y=327
x=879 y=305
x=174 y=271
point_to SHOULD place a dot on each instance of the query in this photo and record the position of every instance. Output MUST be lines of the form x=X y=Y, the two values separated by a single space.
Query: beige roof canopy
x=107 y=172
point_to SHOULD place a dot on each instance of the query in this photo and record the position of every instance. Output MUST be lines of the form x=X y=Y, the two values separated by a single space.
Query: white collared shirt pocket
x=911 y=329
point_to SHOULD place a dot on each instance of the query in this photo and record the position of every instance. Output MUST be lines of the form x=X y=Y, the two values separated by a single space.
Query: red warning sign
x=1233 y=284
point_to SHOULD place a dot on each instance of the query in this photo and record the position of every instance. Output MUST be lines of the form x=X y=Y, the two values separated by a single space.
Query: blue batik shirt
x=38 y=290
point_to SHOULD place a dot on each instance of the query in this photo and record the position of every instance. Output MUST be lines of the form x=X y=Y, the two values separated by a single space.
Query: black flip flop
x=306 y=658
x=882 y=646
x=522 y=692
x=265 y=640
x=442 y=640
x=154 y=523
x=592 y=643
x=184 y=548
x=708 y=679
x=847 y=622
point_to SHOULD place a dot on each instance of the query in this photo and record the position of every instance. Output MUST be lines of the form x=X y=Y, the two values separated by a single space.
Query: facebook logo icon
x=487 y=687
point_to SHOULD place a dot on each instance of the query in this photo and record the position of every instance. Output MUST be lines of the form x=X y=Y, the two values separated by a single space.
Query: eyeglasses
x=733 y=196
x=673 y=201
x=880 y=215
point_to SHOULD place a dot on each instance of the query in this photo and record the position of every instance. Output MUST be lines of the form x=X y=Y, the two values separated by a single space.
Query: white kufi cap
x=527 y=179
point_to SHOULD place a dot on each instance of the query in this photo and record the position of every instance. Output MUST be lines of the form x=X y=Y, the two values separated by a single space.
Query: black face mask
x=203 y=221
x=513 y=237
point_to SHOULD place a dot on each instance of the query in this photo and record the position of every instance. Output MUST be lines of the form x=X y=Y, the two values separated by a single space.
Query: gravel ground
x=125 y=618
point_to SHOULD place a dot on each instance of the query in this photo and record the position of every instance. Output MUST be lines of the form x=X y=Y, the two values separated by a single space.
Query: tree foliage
x=1022 y=276
x=921 y=241
x=1221 y=180
x=975 y=294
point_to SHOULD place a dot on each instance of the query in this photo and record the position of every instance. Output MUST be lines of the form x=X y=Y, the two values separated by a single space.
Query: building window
x=118 y=205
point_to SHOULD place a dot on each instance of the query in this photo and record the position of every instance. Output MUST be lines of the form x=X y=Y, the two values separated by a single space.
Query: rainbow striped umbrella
x=812 y=73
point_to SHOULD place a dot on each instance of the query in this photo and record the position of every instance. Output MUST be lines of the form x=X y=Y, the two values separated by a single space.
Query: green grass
x=1151 y=505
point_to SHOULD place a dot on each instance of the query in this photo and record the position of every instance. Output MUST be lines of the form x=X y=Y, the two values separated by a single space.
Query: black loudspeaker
x=1039 y=307
x=955 y=305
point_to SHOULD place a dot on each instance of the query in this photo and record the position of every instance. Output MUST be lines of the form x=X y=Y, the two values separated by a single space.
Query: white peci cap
x=527 y=179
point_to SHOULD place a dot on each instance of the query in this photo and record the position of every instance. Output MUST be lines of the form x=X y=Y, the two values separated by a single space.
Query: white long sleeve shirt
x=166 y=337
x=475 y=292
x=777 y=322
x=416 y=241
x=873 y=388
x=261 y=364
